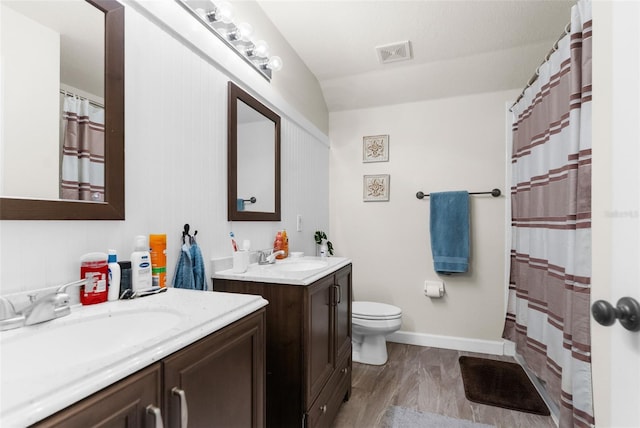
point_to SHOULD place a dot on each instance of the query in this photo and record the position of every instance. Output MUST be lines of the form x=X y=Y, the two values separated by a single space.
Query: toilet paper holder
x=434 y=289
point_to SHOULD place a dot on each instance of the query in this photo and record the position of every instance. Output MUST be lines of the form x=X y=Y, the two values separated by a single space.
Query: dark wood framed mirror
x=14 y=208
x=253 y=159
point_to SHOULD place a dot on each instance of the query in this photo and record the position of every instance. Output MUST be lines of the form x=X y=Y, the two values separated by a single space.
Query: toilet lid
x=374 y=310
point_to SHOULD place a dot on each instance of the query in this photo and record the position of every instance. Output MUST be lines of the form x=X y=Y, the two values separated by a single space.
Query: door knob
x=627 y=311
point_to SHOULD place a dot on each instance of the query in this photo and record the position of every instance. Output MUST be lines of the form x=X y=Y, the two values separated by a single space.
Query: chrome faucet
x=268 y=257
x=51 y=305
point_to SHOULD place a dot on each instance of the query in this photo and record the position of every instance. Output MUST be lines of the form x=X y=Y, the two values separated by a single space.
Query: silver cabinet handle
x=337 y=295
x=323 y=408
x=157 y=415
x=184 y=411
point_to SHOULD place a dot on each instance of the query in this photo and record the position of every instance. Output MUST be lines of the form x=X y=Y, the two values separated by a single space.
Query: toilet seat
x=375 y=311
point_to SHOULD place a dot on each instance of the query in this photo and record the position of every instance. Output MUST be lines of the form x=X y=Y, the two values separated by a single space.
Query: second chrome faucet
x=268 y=257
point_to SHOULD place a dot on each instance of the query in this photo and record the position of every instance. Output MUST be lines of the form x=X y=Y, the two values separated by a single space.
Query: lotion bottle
x=114 y=276
x=141 y=265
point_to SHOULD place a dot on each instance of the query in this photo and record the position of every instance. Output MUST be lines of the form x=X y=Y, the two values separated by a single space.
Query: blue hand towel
x=449 y=229
x=183 y=277
x=199 y=281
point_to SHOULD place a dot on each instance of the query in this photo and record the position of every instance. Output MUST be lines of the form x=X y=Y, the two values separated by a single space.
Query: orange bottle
x=158 y=244
x=277 y=245
x=285 y=243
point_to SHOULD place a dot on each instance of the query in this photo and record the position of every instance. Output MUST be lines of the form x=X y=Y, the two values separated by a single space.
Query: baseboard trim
x=492 y=347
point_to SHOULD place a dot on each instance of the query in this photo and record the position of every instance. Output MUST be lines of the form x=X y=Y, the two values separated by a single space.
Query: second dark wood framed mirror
x=253 y=159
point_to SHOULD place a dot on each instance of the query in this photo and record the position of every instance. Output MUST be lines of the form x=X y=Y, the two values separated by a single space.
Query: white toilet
x=371 y=323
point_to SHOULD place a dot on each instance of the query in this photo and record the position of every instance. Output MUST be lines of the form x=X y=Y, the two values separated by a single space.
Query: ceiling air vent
x=400 y=51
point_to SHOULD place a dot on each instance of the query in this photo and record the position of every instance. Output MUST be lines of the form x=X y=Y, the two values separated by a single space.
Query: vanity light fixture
x=217 y=17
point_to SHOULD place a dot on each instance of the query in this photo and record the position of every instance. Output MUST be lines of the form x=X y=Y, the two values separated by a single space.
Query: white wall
x=30 y=119
x=295 y=82
x=446 y=144
x=175 y=172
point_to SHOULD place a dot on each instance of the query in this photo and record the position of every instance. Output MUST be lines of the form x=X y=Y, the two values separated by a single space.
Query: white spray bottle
x=114 y=276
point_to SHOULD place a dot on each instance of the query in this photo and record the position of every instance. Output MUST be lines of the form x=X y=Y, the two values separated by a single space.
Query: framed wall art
x=376 y=188
x=375 y=148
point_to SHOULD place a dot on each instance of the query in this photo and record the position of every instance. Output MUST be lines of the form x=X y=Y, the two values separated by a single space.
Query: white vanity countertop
x=37 y=378
x=277 y=274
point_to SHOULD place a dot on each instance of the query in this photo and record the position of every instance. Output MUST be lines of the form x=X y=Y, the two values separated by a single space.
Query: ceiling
x=458 y=47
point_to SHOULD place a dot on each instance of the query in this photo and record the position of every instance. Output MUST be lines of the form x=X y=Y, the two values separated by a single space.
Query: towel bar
x=495 y=193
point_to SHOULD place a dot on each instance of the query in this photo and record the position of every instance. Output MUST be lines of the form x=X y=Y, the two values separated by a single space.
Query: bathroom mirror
x=253 y=159
x=30 y=206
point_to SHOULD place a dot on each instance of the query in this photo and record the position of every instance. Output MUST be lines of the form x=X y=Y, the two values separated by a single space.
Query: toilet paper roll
x=435 y=290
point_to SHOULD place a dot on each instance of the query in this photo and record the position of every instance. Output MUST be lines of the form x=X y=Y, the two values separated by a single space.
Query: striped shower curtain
x=82 y=175
x=549 y=290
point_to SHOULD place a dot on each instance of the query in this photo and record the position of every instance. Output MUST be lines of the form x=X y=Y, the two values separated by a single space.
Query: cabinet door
x=342 y=300
x=221 y=378
x=320 y=361
x=122 y=405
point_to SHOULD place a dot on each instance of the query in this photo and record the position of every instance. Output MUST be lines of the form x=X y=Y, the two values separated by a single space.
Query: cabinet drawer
x=324 y=410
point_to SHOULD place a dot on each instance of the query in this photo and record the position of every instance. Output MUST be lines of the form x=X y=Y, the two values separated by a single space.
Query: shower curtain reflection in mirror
x=82 y=166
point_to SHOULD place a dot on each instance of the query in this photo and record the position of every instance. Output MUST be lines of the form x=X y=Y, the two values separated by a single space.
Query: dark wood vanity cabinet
x=308 y=347
x=221 y=377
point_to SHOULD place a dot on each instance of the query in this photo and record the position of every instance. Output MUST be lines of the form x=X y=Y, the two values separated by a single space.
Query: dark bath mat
x=500 y=383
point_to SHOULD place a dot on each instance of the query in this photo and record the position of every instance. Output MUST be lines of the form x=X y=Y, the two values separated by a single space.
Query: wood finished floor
x=426 y=380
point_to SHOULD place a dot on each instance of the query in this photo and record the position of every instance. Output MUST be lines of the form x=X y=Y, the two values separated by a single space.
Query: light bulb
x=261 y=48
x=224 y=11
x=275 y=63
x=244 y=31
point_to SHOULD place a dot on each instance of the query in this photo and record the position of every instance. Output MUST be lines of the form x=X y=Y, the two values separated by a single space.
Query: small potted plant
x=324 y=247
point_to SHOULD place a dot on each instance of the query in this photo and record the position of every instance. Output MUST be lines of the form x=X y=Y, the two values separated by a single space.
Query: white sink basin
x=292 y=270
x=301 y=266
x=63 y=343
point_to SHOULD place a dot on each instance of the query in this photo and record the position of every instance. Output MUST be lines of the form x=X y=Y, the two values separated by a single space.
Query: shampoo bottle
x=114 y=276
x=141 y=265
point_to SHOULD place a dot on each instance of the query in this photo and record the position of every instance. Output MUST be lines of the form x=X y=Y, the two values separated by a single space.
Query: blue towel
x=449 y=229
x=199 y=281
x=183 y=277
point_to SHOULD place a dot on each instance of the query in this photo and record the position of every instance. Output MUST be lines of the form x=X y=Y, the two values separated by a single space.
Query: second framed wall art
x=375 y=188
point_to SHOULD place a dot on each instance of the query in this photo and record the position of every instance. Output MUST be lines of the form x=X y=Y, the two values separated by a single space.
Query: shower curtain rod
x=495 y=193
x=567 y=30
x=94 y=103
